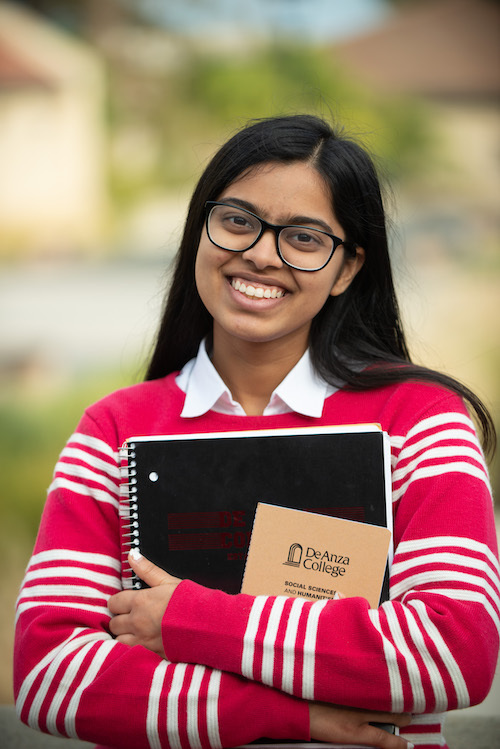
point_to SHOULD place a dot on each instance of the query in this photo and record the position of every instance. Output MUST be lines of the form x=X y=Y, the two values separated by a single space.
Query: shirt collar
x=302 y=390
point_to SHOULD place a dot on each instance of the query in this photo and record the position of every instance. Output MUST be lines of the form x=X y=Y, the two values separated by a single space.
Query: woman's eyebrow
x=242 y=203
x=291 y=221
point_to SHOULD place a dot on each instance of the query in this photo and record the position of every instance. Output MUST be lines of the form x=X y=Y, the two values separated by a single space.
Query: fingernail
x=135 y=554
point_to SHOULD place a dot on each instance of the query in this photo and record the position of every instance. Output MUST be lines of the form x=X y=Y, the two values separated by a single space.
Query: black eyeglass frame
x=276 y=229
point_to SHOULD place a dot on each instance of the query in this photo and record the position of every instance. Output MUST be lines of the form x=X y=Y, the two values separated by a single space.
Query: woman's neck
x=252 y=371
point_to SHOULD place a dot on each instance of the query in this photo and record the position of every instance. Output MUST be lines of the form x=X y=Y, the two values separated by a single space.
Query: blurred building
x=448 y=53
x=53 y=170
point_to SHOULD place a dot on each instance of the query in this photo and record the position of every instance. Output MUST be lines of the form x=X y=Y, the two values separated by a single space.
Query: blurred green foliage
x=287 y=78
x=33 y=431
x=212 y=95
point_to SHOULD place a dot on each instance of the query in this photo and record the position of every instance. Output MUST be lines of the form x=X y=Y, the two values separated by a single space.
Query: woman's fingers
x=121 y=603
x=118 y=625
x=336 y=724
x=397 y=719
x=146 y=570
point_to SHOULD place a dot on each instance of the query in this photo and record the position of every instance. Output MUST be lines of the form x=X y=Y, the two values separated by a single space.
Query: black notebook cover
x=190 y=500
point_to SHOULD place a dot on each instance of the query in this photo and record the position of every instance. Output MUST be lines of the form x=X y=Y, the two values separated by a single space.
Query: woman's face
x=282 y=312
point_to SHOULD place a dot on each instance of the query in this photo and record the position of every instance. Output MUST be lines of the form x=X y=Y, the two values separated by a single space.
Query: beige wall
x=52 y=178
x=470 y=134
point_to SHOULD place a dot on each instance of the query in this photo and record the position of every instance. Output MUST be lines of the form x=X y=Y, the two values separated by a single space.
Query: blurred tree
x=167 y=92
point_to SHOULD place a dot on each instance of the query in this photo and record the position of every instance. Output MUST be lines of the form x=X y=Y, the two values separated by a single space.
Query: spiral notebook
x=188 y=501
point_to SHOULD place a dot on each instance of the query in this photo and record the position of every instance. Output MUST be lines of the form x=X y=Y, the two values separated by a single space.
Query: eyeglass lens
x=236 y=229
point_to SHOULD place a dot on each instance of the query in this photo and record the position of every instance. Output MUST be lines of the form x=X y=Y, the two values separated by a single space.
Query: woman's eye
x=305 y=238
x=237 y=222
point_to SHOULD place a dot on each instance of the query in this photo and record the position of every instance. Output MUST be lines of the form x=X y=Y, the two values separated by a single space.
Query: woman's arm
x=72 y=678
x=137 y=621
x=433 y=647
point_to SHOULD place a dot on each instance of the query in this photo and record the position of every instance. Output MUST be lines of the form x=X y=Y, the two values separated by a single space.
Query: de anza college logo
x=294 y=555
x=317 y=560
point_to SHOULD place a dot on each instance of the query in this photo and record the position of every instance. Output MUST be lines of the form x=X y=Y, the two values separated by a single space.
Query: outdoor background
x=109 y=110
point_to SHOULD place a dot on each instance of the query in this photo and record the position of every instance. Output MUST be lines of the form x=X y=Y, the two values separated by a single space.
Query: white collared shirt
x=302 y=390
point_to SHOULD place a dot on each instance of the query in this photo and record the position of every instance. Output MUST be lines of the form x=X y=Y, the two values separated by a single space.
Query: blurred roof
x=34 y=52
x=16 y=71
x=438 y=48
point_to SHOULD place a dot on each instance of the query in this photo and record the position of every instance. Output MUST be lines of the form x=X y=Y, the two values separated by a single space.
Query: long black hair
x=362 y=326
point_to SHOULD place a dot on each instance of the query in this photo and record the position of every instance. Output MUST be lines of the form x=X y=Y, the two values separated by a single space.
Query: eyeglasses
x=300 y=247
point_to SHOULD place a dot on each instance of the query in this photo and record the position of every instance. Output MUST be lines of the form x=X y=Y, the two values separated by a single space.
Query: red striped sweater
x=241 y=667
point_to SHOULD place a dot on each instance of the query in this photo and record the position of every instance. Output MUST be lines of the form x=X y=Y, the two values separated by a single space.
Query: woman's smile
x=257 y=290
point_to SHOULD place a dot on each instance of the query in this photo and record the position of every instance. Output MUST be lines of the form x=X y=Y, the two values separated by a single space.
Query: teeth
x=258 y=292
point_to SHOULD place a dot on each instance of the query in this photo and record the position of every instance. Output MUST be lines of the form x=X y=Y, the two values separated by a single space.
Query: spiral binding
x=129 y=512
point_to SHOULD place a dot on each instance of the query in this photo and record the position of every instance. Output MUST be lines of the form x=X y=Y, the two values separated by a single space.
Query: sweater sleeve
x=71 y=678
x=433 y=647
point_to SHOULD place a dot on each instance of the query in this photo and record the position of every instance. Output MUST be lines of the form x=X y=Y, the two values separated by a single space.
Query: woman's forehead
x=301 y=175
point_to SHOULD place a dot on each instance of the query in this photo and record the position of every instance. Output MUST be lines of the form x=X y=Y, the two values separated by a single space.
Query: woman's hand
x=345 y=725
x=138 y=613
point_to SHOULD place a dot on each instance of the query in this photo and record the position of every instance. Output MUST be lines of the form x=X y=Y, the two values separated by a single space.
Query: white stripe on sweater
x=433 y=576
x=41 y=694
x=452 y=453
x=441 y=701
x=75 y=453
x=397 y=441
x=471 y=596
x=70 y=555
x=433 y=542
x=66 y=680
x=75 y=470
x=155 y=694
x=94 y=443
x=448 y=558
x=268 y=654
x=213 y=710
x=62 y=605
x=193 y=707
x=448 y=660
x=100 y=495
x=432 y=422
x=309 y=657
x=289 y=645
x=173 y=706
x=42 y=664
x=395 y=681
x=415 y=677
x=63 y=591
x=250 y=635
x=90 y=674
x=439 y=470
x=80 y=641
x=445 y=435
x=99 y=578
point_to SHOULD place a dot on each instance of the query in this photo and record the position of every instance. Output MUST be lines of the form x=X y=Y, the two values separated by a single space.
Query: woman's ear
x=350 y=268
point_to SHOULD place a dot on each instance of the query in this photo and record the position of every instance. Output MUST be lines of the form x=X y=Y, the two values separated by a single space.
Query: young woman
x=282 y=313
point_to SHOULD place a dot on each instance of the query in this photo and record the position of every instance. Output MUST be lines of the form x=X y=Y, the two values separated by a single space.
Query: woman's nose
x=265 y=252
